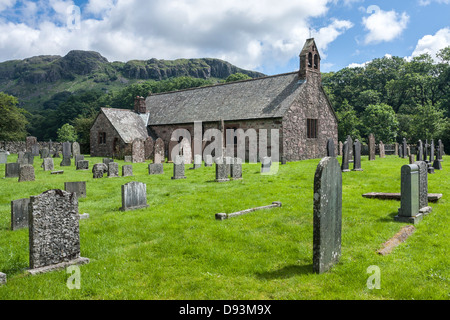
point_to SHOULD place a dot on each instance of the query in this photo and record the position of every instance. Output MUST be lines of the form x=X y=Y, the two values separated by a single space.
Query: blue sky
x=262 y=35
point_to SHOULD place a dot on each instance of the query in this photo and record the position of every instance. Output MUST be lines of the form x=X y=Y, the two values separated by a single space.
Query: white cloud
x=248 y=33
x=428 y=2
x=5 y=4
x=364 y=64
x=432 y=43
x=384 y=26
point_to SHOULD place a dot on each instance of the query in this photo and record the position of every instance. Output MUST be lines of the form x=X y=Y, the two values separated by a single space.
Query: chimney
x=139 y=105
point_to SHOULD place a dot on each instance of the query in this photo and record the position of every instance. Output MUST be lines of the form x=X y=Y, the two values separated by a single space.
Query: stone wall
x=14 y=147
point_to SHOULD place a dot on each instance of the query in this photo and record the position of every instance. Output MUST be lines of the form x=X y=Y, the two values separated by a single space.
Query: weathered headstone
x=79 y=188
x=266 y=163
x=78 y=157
x=186 y=151
x=99 y=170
x=83 y=165
x=371 y=147
x=128 y=159
x=35 y=150
x=425 y=151
x=138 y=151
x=400 y=152
x=345 y=158
x=409 y=201
x=149 y=144
x=396 y=149
x=127 y=170
x=158 y=155
x=19 y=214
x=419 y=155
x=197 y=162
x=357 y=156
x=382 y=150
x=45 y=153
x=54 y=232
x=350 y=150
x=3 y=157
x=423 y=187
x=440 y=153
x=76 y=149
x=327 y=222
x=26 y=173
x=330 y=148
x=236 y=169
x=67 y=155
x=155 y=168
x=178 y=168
x=30 y=141
x=411 y=159
x=221 y=170
x=208 y=160
x=134 y=196
x=48 y=164
x=113 y=170
x=404 y=147
x=432 y=152
x=12 y=170
x=341 y=148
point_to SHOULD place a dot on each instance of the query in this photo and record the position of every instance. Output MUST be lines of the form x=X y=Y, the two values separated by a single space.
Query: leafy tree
x=381 y=120
x=13 y=121
x=83 y=125
x=237 y=77
x=348 y=122
x=67 y=133
x=428 y=122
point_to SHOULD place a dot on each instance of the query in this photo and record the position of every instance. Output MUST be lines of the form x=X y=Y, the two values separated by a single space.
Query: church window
x=311 y=128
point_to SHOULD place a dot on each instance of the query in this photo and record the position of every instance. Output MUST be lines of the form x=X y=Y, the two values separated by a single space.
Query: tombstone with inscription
x=186 y=151
x=345 y=158
x=404 y=147
x=155 y=168
x=83 y=165
x=113 y=170
x=327 y=221
x=26 y=173
x=127 y=170
x=54 y=232
x=30 y=141
x=149 y=144
x=138 y=151
x=45 y=153
x=12 y=170
x=221 y=170
x=330 y=148
x=350 y=150
x=423 y=187
x=76 y=149
x=371 y=147
x=19 y=214
x=48 y=164
x=409 y=199
x=79 y=188
x=357 y=156
x=178 y=168
x=236 y=169
x=99 y=170
x=134 y=196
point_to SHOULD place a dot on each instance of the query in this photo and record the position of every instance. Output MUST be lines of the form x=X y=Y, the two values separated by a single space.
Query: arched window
x=316 y=61
x=309 y=60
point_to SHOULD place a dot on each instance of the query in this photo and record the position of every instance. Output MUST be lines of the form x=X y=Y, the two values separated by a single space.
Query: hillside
x=35 y=80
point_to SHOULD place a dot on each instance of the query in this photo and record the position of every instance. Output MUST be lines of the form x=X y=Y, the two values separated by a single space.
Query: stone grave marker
x=341 y=147
x=350 y=150
x=186 y=150
x=345 y=158
x=357 y=156
x=67 y=155
x=79 y=188
x=3 y=157
x=440 y=153
x=405 y=148
x=54 y=233
x=400 y=152
x=425 y=151
x=382 y=150
x=371 y=147
x=138 y=151
x=409 y=198
x=78 y=157
x=149 y=145
x=35 y=150
x=236 y=169
x=221 y=170
x=158 y=156
x=423 y=187
x=419 y=156
x=330 y=148
x=178 y=168
x=113 y=170
x=19 y=214
x=327 y=221
x=432 y=146
x=26 y=173
x=197 y=162
x=134 y=196
x=48 y=164
x=99 y=170
x=128 y=159
x=12 y=170
x=30 y=141
x=82 y=165
x=45 y=153
x=437 y=165
x=155 y=168
x=127 y=170
x=208 y=160
x=76 y=149
x=396 y=149
x=266 y=163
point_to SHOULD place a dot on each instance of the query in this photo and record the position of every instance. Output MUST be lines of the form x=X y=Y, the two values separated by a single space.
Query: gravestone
x=45 y=153
x=158 y=156
x=432 y=152
x=396 y=149
x=411 y=159
x=236 y=169
x=127 y=170
x=149 y=144
x=48 y=164
x=30 y=141
x=178 y=168
x=21 y=158
x=440 y=153
x=437 y=165
x=330 y=148
x=138 y=151
x=408 y=151
x=29 y=158
x=229 y=162
x=172 y=149
x=423 y=187
x=128 y=159
x=208 y=160
x=409 y=199
x=350 y=150
x=76 y=149
x=371 y=147
x=79 y=188
x=266 y=163
x=99 y=170
x=400 y=152
x=134 y=196
x=425 y=151
x=83 y=165
x=186 y=150
x=35 y=150
x=327 y=222
x=221 y=170
x=197 y=162
x=404 y=147
x=345 y=158
x=67 y=155
x=54 y=232
x=113 y=170
x=419 y=156
x=357 y=156
x=26 y=173
x=19 y=214
x=78 y=157
x=107 y=161
x=12 y=170
x=382 y=150
x=341 y=148
x=155 y=168
x=3 y=157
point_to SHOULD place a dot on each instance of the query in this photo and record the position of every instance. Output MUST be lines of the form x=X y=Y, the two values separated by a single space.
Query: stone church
x=294 y=103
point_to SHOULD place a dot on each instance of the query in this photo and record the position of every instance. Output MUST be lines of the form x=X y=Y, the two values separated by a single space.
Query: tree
x=12 y=121
x=381 y=120
x=237 y=77
x=348 y=122
x=67 y=133
x=428 y=122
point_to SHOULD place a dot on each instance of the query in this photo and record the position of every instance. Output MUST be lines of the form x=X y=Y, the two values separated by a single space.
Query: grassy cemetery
x=176 y=248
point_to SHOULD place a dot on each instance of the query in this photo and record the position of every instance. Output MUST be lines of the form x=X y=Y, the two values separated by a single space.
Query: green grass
x=175 y=249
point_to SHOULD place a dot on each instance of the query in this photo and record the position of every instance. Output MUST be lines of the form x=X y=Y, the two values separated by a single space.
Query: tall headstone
x=178 y=168
x=127 y=170
x=67 y=154
x=221 y=170
x=440 y=153
x=149 y=145
x=404 y=147
x=400 y=152
x=79 y=188
x=382 y=150
x=327 y=222
x=236 y=169
x=266 y=163
x=12 y=170
x=425 y=151
x=3 y=157
x=350 y=150
x=341 y=147
x=409 y=199
x=345 y=157
x=371 y=147
x=48 y=164
x=357 y=156
x=186 y=151
x=19 y=214
x=138 y=151
x=76 y=151
x=432 y=146
x=419 y=156
x=54 y=232
x=159 y=154
x=423 y=187
x=331 y=152
x=26 y=173
x=134 y=196
x=30 y=141
x=113 y=170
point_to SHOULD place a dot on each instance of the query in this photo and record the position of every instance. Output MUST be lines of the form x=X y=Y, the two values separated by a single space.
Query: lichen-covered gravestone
x=134 y=196
x=371 y=147
x=382 y=150
x=236 y=169
x=99 y=170
x=350 y=148
x=12 y=170
x=345 y=157
x=327 y=222
x=149 y=144
x=76 y=149
x=158 y=154
x=357 y=156
x=178 y=168
x=19 y=214
x=113 y=170
x=221 y=170
x=48 y=164
x=54 y=233
x=409 y=199
x=26 y=173
x=83 y=165
x=155 y=168
x=330 y=148
x=127 y=170
x=30 y=141
x=138 y=151
x=423 y=187
x=79 y=188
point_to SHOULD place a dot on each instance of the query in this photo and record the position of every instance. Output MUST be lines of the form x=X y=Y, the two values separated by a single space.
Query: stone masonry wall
x=15 y=147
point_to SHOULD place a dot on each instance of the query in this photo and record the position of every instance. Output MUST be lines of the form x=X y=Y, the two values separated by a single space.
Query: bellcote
x=309 y=59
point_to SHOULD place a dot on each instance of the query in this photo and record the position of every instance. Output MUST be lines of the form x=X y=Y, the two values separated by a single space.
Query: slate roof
x=128 y=124
x=267 y=97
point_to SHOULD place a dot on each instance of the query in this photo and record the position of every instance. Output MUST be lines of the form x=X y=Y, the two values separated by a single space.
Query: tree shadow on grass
x=286 y=272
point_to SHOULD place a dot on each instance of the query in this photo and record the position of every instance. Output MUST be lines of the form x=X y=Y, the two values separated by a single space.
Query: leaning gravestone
x=3 y=157
x=54 y=232
x=19 y=214
x=371 y=147
x=67 y=154
x=236 y=169
x=79 y=188
x=409 y=199
x=113 y=170
x=26 y=173
x=138 y=151
x=345 y=158
x=357 y=156
x=158 y=154
x=155 y=168
x=134 y=196
x=48 y=164
x=330 y=148
x=127 y=170
x=221 y=170
x=327 y=222
x=12 y=170
x=178 y=168
x=83 y=165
